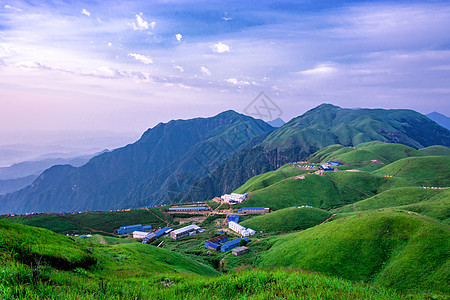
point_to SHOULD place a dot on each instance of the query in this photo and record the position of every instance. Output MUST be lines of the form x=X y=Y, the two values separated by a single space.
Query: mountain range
x=441 y=119
x=197 y=159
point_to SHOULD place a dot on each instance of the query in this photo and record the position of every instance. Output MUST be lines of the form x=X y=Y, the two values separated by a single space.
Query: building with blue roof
x=131 y=228
x=215 y=241
x=334 y=163
x=231 y=245
x=233 y=218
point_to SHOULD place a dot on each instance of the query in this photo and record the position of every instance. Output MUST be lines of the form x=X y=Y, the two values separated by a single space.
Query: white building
x=239 y=198
x=240 y=229
x=185 y=231
x=139 y=234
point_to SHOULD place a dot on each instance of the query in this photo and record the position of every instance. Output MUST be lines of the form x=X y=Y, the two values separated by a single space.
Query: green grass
x=392 y=198
x=436 y=150
x=54 y=222
x=30 y=245
x=394 y=249
x=287 y=220
x=428 y=170
x=260 y=181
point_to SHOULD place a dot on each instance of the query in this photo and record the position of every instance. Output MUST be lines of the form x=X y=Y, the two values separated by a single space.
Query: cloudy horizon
x=124 y=67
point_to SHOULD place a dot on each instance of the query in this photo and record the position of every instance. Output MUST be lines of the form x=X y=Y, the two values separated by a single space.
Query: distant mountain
x=12 y=185
x=197 y=159
x=36 y=167
x=164 y=162
x=441 y=119
x=278 y=122
x=317 y=128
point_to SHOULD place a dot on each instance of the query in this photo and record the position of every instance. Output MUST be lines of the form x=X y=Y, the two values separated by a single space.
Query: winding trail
x=347 y=185
x=163 y=220
x=328 y=219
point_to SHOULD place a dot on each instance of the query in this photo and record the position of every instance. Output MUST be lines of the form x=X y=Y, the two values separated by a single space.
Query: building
x=140 y=234
x=231 y=245
x=233 y=218
x=157 y=234
x=234 y=198
x=334 y=163
x=185 y=231
x=253 y=210
x=215 y=241
x=240 y=229
x=188 y=209
x=239 y=250
x=326 y=168
x=131 y=228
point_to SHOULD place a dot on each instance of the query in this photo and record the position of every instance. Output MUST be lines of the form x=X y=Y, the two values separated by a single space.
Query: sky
x=124 y=66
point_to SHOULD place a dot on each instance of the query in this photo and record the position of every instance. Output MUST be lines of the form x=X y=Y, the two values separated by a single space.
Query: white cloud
x=109 y=44
x=142 y=58
x=85 y=12
x=178 y=37
x=205 y=71
x=142 y=24
x=227 y=19
x=11 y=8
x=320 y=69
x=180 y=68
x=235 y=81
x=220 y=48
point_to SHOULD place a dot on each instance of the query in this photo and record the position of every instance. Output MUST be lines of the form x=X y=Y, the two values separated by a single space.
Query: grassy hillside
x=317 y=191
x=90 y=221
x=427 y=170
x=384 y=152
x=392 y=198
x=436 y=150
x=399 y=250
x=288 y=219
x=30 y=245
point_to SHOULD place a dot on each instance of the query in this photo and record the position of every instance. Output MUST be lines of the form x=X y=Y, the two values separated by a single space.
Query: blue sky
x=127 y=65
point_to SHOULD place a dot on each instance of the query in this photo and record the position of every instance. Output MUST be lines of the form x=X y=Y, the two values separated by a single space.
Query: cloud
x=180 y=68
x=178 y=37
x=320 y=69
x=142 y=58
x=235 y=81
x=11 y=8
x=85 y=12
x=142 y=24
x=205 y=71
x=220 y=48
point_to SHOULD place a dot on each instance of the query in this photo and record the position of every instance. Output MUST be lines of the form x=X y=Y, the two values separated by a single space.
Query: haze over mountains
x=197 y=159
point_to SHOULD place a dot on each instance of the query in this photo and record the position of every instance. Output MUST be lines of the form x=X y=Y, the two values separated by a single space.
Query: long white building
x=240 y=229
x=185 y=231
x=239 y=198
x=139 y=234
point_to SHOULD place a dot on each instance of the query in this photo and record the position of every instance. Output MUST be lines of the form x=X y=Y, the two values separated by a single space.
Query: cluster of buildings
x=234 y=198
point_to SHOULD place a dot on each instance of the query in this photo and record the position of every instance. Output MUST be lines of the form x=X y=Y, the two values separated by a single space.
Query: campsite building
x=240 y=229
x=253 y=210
x=188 y=209
x=231 y=245
x=185 y=231
x=140 y=234
x=239 y=250
x=131 y=228
x=234 y=198
x=213 y=243
x=157 y=234
x=233 y=218
x=334 y=163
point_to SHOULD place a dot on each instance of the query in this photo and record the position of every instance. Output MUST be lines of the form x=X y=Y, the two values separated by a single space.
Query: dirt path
x=327 y=219
x=399 y=170
x=222 y=262
x=346 y=185
x=102 y=240
x=163 y=220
